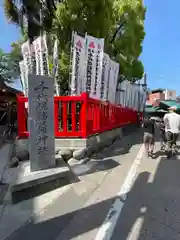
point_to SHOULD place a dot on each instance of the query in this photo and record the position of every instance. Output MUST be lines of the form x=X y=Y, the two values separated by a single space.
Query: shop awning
x=151 y=109
x=169 y=103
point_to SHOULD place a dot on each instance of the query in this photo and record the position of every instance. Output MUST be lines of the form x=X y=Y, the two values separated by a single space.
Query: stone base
x=77 y=148
x=30 y=184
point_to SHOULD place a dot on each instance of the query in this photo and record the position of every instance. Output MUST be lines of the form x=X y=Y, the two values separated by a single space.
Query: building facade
x=170 y=94
x=161 y=95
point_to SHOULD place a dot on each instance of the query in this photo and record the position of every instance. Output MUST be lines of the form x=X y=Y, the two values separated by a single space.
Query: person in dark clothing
x=162 y=135
x=149 y=136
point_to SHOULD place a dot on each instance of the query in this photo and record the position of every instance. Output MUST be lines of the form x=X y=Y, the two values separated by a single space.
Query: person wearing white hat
x=172 y=128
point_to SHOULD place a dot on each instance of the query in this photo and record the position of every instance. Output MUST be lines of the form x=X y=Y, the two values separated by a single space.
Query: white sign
x=41 y=122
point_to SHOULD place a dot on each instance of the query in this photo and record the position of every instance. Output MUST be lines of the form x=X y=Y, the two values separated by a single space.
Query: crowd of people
x=168 y=128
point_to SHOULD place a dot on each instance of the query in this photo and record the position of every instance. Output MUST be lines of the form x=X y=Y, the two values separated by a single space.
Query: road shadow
x=104 y=160
x=152 y=207
x=94 y=165
x=80 y=221
x=122 y=146
x=150 y=212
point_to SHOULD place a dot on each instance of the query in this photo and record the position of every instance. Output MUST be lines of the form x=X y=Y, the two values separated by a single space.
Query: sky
x=161 y=47
x=9 y=32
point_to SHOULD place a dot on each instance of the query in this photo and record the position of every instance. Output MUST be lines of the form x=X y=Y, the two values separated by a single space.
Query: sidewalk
x=71 y=213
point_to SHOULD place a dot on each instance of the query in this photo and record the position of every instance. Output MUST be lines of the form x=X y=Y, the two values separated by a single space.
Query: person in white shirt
x=172 y=128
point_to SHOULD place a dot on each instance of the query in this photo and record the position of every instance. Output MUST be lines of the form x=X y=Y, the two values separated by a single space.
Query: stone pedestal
x=29 y=184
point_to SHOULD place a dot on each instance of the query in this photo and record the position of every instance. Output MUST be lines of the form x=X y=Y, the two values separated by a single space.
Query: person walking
x=172 y=127
x=162 y=134
x=149 y=136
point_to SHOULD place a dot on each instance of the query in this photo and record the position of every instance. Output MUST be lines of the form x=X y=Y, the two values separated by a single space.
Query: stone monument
x=40 y=174
x=41 y=122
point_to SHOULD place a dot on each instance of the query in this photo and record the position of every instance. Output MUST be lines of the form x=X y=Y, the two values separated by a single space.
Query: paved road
x=152 y=207
x=149 y=211
x=100 y=180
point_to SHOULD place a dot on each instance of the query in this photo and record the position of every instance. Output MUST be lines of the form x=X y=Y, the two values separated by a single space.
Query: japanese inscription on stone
x=41 y=122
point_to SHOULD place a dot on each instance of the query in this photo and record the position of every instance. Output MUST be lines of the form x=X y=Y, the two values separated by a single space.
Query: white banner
x=96 y=85
x=90 y=63
x=55 y=66
x=143 y=101
x=44 y=57
x=105 y=77
x=136 y=101
x=41 y=55
x=111 y=92
x=37 y=48
x=26 y=53
x=27 y=58
x=116 y=75
x=122 y=87
x=78 y=65
x=23 y=77
x=131 y=95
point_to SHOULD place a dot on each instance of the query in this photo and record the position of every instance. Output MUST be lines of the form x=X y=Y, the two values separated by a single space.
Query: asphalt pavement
x=121 y=195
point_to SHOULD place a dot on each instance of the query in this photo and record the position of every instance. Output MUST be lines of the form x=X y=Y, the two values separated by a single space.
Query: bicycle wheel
x=1 y=140
x=4 y=136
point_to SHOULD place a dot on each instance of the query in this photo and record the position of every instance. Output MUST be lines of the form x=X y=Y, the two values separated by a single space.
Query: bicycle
x=9 y=134
x=171 y=145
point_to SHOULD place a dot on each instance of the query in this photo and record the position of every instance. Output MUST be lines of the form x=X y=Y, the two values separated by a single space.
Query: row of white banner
x=131 y=95
x=35 y=60
x=92 y=70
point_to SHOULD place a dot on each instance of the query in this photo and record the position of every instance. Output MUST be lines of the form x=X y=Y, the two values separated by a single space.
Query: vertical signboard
x=41 y=122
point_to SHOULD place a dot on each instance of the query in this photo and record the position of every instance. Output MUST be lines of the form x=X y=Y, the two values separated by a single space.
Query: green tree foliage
x=120 y=22
x=127 y=47
x=31 y=15
x=9 y=63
